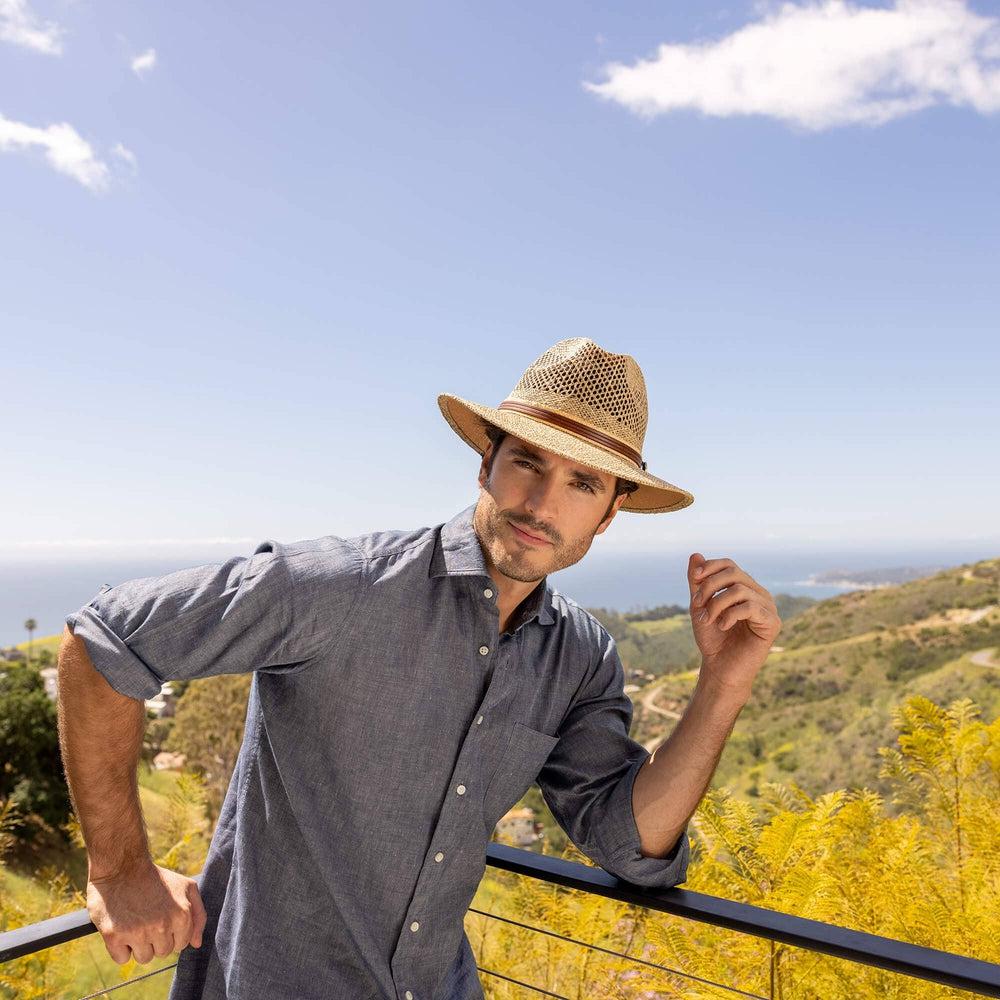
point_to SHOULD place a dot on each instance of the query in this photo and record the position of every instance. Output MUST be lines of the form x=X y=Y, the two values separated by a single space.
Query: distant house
x=50 y=676
x=163 y=705
x=12 y=653
x=518 y=827
x=166 y=761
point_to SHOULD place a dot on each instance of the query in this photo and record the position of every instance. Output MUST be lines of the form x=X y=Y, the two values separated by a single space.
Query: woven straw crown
x=583 y=403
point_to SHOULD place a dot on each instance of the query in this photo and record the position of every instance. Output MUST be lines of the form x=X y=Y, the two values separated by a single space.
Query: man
x=408 y=688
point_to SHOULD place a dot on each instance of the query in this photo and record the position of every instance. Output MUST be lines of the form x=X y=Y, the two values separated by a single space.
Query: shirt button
x=460 y=789
x=487 y=592
x=439 y=856
x=479 y=721
x=484 y=650
x=415 y=925
x=408 y=995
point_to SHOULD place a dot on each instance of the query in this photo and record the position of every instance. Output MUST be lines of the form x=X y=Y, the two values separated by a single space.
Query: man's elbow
x=78 y=675
x=660 y=853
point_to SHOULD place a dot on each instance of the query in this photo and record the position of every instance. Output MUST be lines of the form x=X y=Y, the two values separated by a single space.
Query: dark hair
x=496 y=436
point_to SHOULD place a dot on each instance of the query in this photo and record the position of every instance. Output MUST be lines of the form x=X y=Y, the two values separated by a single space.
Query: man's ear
x=483 y=464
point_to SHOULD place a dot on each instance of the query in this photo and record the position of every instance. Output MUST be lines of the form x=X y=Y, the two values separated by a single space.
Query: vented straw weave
x=577 y=378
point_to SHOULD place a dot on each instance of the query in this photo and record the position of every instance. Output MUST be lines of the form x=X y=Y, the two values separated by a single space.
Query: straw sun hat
x=583 y=403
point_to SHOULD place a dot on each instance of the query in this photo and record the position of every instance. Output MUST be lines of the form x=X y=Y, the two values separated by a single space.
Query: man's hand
x=146 y=911
x=735 y=629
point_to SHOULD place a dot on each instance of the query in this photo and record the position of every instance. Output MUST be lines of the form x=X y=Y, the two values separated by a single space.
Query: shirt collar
x=457 y=552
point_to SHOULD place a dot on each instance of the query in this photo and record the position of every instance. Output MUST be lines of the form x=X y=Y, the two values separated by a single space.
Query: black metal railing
x=942 y=967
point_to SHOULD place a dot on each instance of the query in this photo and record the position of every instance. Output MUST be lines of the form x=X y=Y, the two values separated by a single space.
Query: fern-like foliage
x=927 y=872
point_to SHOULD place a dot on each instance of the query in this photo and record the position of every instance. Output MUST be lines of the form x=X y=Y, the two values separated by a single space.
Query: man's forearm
x=673 y=781
x=100 y=735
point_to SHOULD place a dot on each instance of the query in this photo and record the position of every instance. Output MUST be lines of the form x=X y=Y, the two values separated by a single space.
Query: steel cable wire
x=128 y=982
x=618 y=954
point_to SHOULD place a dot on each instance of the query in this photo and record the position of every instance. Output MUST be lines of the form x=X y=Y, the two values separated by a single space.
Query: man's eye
x=528 y=465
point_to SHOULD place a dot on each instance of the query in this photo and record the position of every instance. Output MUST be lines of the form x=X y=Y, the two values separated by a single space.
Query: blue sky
x=271 y=236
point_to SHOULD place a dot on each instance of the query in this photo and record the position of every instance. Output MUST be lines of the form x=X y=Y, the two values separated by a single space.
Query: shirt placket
x=459 y=824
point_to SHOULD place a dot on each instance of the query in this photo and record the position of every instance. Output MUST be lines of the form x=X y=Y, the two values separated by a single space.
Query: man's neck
x=508 y=608
x=510 y=592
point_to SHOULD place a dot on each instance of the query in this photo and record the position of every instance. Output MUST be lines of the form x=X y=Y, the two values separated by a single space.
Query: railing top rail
x=941 y=967
x=930 y=964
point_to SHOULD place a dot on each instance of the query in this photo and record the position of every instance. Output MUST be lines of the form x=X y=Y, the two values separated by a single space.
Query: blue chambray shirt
x=389 y=727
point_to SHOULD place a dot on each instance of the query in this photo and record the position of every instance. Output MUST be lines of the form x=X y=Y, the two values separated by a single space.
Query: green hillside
x=821 y=704
x=40 y=643
x=665 y=644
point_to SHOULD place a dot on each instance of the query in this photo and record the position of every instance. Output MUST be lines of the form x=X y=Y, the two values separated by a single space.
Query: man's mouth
x=525 y=537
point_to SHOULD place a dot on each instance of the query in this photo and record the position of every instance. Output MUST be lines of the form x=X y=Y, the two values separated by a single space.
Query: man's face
x=555 y=499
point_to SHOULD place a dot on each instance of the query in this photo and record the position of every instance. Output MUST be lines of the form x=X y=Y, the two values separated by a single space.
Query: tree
x=30 y=625
x=31 y=773
x=208 y=730
x=154 y=739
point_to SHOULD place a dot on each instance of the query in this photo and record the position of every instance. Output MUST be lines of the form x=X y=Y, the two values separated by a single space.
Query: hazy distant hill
x=821 y=703
x=862 y=578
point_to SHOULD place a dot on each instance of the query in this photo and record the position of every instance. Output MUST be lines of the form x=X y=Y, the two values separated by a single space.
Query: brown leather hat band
x=582 y=430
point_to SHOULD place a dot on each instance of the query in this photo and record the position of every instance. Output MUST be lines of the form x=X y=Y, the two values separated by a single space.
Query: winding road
x=984 y=658
x=648 y=702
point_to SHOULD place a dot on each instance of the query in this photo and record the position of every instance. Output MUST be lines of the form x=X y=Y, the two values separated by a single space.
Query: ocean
x=48 y=589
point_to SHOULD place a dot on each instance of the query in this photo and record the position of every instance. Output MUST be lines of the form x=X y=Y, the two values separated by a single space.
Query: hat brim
x=654 y=495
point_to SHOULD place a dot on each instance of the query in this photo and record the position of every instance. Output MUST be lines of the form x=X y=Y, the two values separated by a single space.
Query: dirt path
x=953 y=616
x=648 y=702
x=984 y=658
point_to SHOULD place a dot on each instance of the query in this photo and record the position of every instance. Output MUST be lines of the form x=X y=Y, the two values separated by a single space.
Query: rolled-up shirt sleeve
x=272 y=611
x=587 y=780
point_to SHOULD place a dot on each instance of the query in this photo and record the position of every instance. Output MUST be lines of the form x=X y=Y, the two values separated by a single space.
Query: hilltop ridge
x=822 y=702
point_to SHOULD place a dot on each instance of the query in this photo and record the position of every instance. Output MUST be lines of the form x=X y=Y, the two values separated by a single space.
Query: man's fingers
x=710 y=566
x=149 y=915
x=695 y=561
x=735 y=594
x=709 y=583
x=142 y=952
x=163 y=944
x=119 y=951
x=703 y=578
x=728 y=576
x=741 y=610
x=199 y=917
x=760 y=619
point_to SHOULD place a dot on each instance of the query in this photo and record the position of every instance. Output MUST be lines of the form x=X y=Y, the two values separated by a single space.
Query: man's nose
x=542 y=503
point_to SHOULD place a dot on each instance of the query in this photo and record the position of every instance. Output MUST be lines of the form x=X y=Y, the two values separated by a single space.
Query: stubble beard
x=493 y=529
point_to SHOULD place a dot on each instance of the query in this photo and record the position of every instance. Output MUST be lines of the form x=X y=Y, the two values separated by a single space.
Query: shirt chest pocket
x=522 y=759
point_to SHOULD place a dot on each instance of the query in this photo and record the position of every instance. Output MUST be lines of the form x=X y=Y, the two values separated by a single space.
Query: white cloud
x=824 y=64
x=124 y=153
x=65 y=149
x=20 y=26
x=144 y=63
